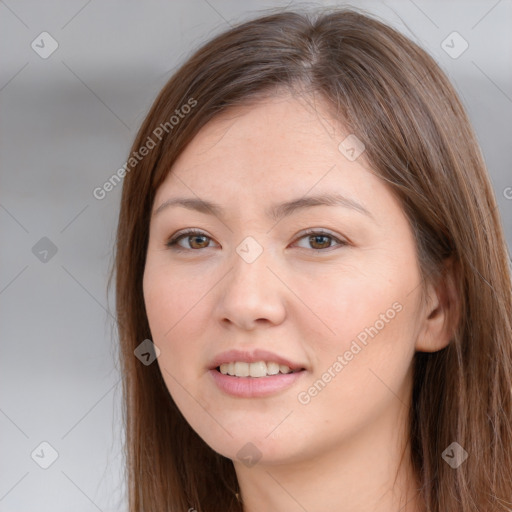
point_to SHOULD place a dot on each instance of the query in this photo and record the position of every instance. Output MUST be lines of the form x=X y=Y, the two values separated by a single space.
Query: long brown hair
x=394 y=97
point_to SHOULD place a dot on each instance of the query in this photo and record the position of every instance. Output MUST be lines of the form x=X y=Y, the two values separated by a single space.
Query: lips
x=256 y=385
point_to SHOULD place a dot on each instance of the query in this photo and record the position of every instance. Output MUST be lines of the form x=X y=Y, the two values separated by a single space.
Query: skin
x=341 y=450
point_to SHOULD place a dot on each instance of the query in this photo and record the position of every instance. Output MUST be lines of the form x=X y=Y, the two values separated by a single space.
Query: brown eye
x=320 y=240
x=196 y=240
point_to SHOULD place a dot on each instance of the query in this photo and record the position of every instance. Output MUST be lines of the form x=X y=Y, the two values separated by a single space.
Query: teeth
x=272 y=368
x=242 y=369
x=259 y=369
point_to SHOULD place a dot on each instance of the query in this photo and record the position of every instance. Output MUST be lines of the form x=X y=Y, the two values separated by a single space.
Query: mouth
x=258 y=369
x=256 y=374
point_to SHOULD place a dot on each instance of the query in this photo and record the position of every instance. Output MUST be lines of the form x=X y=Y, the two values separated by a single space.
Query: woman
x=309 y=237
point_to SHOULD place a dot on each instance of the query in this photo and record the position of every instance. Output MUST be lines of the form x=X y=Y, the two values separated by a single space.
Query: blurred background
x=76 y=80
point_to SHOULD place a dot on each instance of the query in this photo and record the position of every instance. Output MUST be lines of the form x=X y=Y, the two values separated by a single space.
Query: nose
x=251 y=294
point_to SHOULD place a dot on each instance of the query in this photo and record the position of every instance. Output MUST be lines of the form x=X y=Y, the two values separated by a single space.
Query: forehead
x=275 y=144
x=250 y=160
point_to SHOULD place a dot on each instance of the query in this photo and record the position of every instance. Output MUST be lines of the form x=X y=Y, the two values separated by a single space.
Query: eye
x=321 y=239
x=199 y=240
x=194 y=237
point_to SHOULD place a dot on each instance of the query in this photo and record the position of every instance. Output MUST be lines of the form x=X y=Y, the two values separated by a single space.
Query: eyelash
x=173 y=242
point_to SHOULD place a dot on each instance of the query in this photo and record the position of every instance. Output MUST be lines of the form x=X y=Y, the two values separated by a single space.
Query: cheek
x=359 y=378
x=169 y=296
x=169 y=312
x=372 y=350
x=172 y=302
x=372 y=320
x=358 y=303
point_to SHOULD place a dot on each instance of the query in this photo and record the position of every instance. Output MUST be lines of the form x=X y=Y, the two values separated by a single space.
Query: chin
x=250 y=447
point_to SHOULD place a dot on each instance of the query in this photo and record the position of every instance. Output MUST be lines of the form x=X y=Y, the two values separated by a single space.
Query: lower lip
x=254 y=387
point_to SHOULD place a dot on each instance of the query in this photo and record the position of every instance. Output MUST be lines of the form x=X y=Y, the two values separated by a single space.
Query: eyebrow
x=276 y=212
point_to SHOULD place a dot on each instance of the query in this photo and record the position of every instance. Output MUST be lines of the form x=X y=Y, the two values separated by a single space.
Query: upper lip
x=231 y=356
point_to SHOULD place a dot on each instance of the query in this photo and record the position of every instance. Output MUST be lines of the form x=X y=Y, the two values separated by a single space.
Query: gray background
x=67 y=123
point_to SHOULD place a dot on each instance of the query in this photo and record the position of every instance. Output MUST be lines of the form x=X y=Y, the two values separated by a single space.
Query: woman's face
x=253 y=293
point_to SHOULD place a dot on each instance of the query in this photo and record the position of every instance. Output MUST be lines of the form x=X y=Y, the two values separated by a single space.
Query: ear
x=440 y=315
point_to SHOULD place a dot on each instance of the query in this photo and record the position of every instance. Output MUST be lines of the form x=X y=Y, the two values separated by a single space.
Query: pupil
x=319 y=237
x=197 y=237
